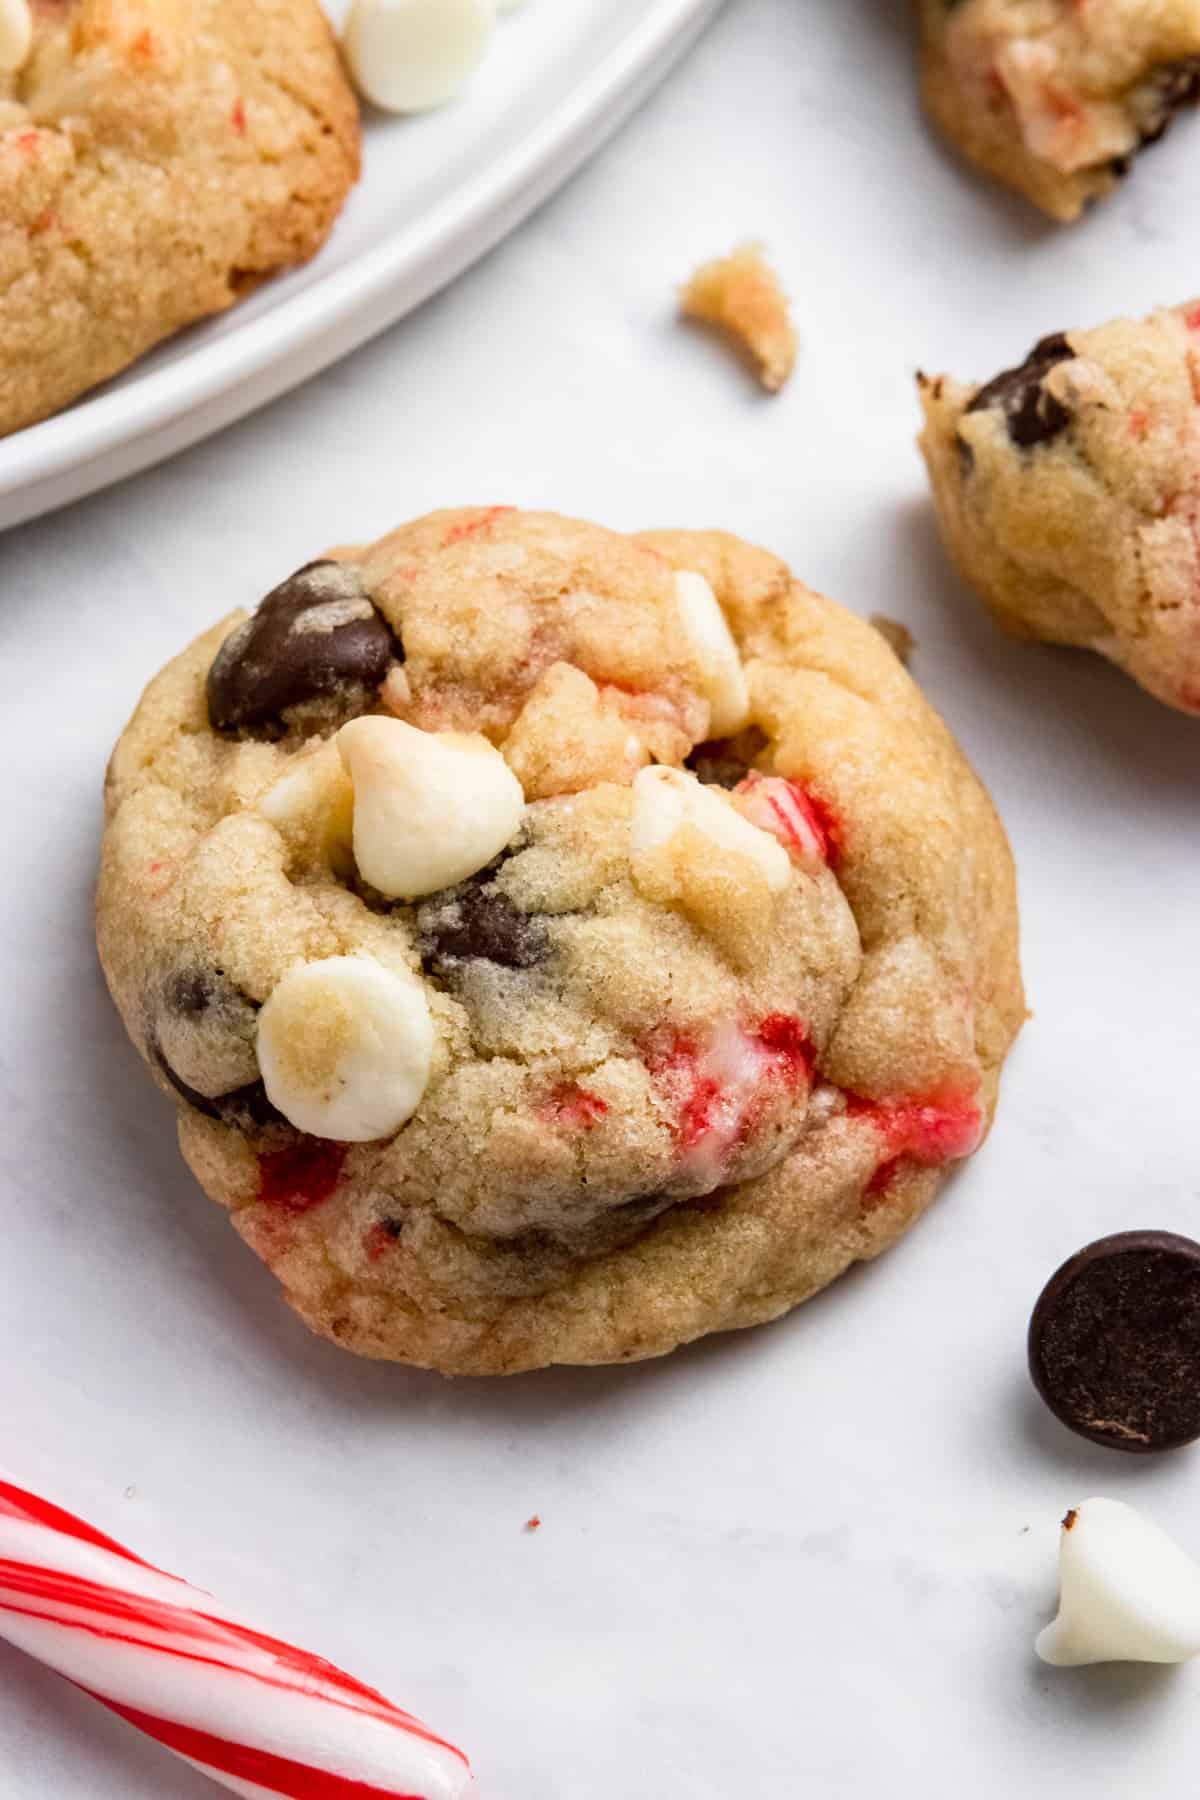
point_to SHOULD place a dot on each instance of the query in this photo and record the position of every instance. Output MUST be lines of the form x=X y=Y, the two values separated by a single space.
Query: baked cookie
x=158 y=159
x=559 y=945
x=1068 y=491
x=1055 y=97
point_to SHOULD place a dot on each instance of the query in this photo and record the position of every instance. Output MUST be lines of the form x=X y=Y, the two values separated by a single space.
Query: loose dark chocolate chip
x=1173 y=87
x=473 y=924
x=243 y=1107
x=316 y=634
x=1031 y=415
x=1114 y=1341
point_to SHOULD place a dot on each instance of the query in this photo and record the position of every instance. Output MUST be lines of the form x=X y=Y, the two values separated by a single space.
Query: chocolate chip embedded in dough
x=724 y=762
x=1171 y=88
x=1114 y=1341
x=316 y=634
x=199 y=1004
x=1032 y=416
x=473 y=924
x=244 y=1106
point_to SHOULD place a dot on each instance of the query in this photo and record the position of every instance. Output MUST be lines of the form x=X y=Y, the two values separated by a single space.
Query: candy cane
x=257 y=1715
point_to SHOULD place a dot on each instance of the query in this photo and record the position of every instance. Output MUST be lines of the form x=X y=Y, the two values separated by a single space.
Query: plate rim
x=347 y=304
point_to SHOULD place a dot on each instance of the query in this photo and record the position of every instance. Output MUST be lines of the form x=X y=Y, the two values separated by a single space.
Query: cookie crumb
x=898 y=636
x=741 y=294
x=534 y=1524
x=1068 y=1523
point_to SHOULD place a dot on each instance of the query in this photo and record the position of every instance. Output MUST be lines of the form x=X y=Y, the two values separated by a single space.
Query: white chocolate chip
x=668 y=801
x=1128 y=1592
x=430 y=807
x=16 y=35
x=312 y=803
x=722 y=678
x=412 y=55
x=345 y=1047
x=396 y=693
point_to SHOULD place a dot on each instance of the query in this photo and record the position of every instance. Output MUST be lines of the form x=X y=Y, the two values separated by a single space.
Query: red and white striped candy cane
x=259 y=1716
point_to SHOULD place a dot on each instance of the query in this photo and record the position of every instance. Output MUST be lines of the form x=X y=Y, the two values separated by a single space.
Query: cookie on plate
x=1053 y=97
x=158 y=159
x=1068 y=491
x=558 y=944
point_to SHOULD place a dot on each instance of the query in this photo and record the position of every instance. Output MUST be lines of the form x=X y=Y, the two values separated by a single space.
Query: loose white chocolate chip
x=667 y=801
x=345 y=1047
x=412 y=55
x=16 y=35
x=1128 y=1592
x=723 y=680
x=430 y=807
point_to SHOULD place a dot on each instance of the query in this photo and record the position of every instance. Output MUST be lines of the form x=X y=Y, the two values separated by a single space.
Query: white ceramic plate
x=437 y=191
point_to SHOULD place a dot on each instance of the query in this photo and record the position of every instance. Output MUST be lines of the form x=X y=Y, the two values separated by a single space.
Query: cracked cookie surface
x=709 y=1017
x=1068 y=492
x=158 y=159
x=1053 y=97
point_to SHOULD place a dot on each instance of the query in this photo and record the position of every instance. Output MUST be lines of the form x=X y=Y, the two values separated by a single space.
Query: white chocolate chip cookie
x=559 y=945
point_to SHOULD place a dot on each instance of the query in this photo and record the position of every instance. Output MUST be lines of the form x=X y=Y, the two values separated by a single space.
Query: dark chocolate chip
x=1172 y=87
x=723 y=762
x=1031 y=415
x=317 y=634
x=192 y=991
x=715 y=765
x=244 y=1107
x=473 y=924
x=1114 y=1342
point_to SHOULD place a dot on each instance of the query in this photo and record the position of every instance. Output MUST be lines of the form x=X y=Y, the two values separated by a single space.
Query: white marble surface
x=809 y=1560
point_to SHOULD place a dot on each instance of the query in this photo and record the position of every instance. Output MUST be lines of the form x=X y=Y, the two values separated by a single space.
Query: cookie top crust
x=1068 y=491
x=1054 y=98
x=158 y=158
x=516 y=1014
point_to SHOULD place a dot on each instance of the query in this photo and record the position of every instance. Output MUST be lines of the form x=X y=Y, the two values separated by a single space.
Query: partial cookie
x=1068 y=491
x=559 y=945
x=1053 y=97
x=158 y=159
